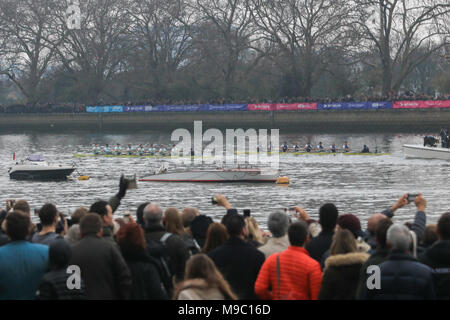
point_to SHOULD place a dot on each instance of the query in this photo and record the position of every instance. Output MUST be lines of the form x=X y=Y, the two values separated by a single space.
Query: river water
x=361 y=185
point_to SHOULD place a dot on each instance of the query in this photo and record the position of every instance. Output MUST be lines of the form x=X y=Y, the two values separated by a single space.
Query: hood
x=198 y=289
x=440 y=252
x=362 y=246
x=340 y=260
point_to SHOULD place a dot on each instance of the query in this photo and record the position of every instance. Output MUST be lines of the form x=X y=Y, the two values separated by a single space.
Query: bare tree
x=228 y=22
x=404 y=33
x=94 y=53
x=160 y=43
x=24 y=27
x=302 y=31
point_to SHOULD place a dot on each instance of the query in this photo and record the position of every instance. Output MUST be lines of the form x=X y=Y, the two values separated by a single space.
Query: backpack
x=191 y=245
x=158 y=250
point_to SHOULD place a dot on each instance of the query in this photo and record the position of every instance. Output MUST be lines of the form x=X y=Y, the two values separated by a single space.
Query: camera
x=412 y=196
x=246 y=212
x=214 y=200
x=130 y=181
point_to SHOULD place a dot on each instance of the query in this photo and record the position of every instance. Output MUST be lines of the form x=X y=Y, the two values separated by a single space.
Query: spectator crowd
x=81 y=108
x=185 y=255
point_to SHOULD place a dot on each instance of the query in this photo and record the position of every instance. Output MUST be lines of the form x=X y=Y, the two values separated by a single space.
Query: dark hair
x=90 y=223
x=47 y=214
x=78 y=214
x=297 y=233
x=17 y=225
x=443 y=226
x=200 y=266
x=430 y=235
x=140 y=214
x=22 y=205
x=234 y=224
x=99 y=207
x=328 y=215
x=215 y=236
x=381 y=231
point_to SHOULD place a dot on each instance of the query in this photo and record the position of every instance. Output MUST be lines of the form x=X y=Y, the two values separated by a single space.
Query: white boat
x=216 y=175
x=419 y=151
x=35 y=167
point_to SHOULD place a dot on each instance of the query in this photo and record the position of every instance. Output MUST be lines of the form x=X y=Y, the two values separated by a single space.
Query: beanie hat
x=199 y=227
x=351 y=223
x=59 y=253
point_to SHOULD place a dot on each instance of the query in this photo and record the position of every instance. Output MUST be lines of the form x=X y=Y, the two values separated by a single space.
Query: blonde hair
x=173 y=221
x=254 y=233
x=343 y=242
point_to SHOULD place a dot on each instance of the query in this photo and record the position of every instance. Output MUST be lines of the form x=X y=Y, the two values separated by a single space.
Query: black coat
x=176 y=249
x=378 y=257
x=437 y=257
x=239 y=263
x=146 y=281
x=319 y=245
x=341 y=276
x=404 y=278
x=53 y=286
x=103 y=269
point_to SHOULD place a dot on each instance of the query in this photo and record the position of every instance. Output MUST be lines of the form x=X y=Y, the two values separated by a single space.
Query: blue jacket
x=22 y=266
x=404 y=278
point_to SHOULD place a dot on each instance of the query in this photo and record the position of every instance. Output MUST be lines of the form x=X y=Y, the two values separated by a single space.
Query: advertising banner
x=104 y=109
x=261 y=107
x=422 y=104
x=295 y=106
x=354 y=105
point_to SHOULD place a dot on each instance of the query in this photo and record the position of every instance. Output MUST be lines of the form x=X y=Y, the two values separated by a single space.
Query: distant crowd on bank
x=81 y=108
x=185 y=255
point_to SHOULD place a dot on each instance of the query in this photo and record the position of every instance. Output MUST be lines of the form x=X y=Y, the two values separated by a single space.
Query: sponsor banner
x=295 y=106
x=228 y=107
x=182 y=108
x=104 y=109
x=354 y=105
x=422 y=104
x=136 y=108
x=261 y=107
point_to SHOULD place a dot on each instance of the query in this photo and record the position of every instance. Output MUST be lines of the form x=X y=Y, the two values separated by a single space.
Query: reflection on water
x=356 y=184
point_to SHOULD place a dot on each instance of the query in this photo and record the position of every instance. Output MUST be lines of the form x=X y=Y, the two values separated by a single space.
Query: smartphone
x=412 y=196
x=246 y=212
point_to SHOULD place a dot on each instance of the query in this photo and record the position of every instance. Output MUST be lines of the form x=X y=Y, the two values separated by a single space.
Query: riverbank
x=362 y=121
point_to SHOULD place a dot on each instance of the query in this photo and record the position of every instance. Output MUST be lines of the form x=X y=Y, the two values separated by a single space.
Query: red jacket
x=300 y=276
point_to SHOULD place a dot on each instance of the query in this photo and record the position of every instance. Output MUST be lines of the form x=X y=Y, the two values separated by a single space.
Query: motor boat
x=35 y=167
x=215 y=175
x=426 y=152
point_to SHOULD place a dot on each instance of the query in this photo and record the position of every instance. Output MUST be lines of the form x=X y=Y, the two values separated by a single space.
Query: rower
x=320 y=146
x=308 y=147
x=96 y=149
x=129 y=149
x=284 y=147
x=444 y=138
x=141 y=150
x=333 y=148
x=295 y=147
x=118 y=150
x=162 y=150
x=346 y=147
x=365 y=149
x=107 y=149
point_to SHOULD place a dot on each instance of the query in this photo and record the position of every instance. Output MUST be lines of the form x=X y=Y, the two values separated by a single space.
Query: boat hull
x=223 y=176
x=41 y=174
x=419 y=151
